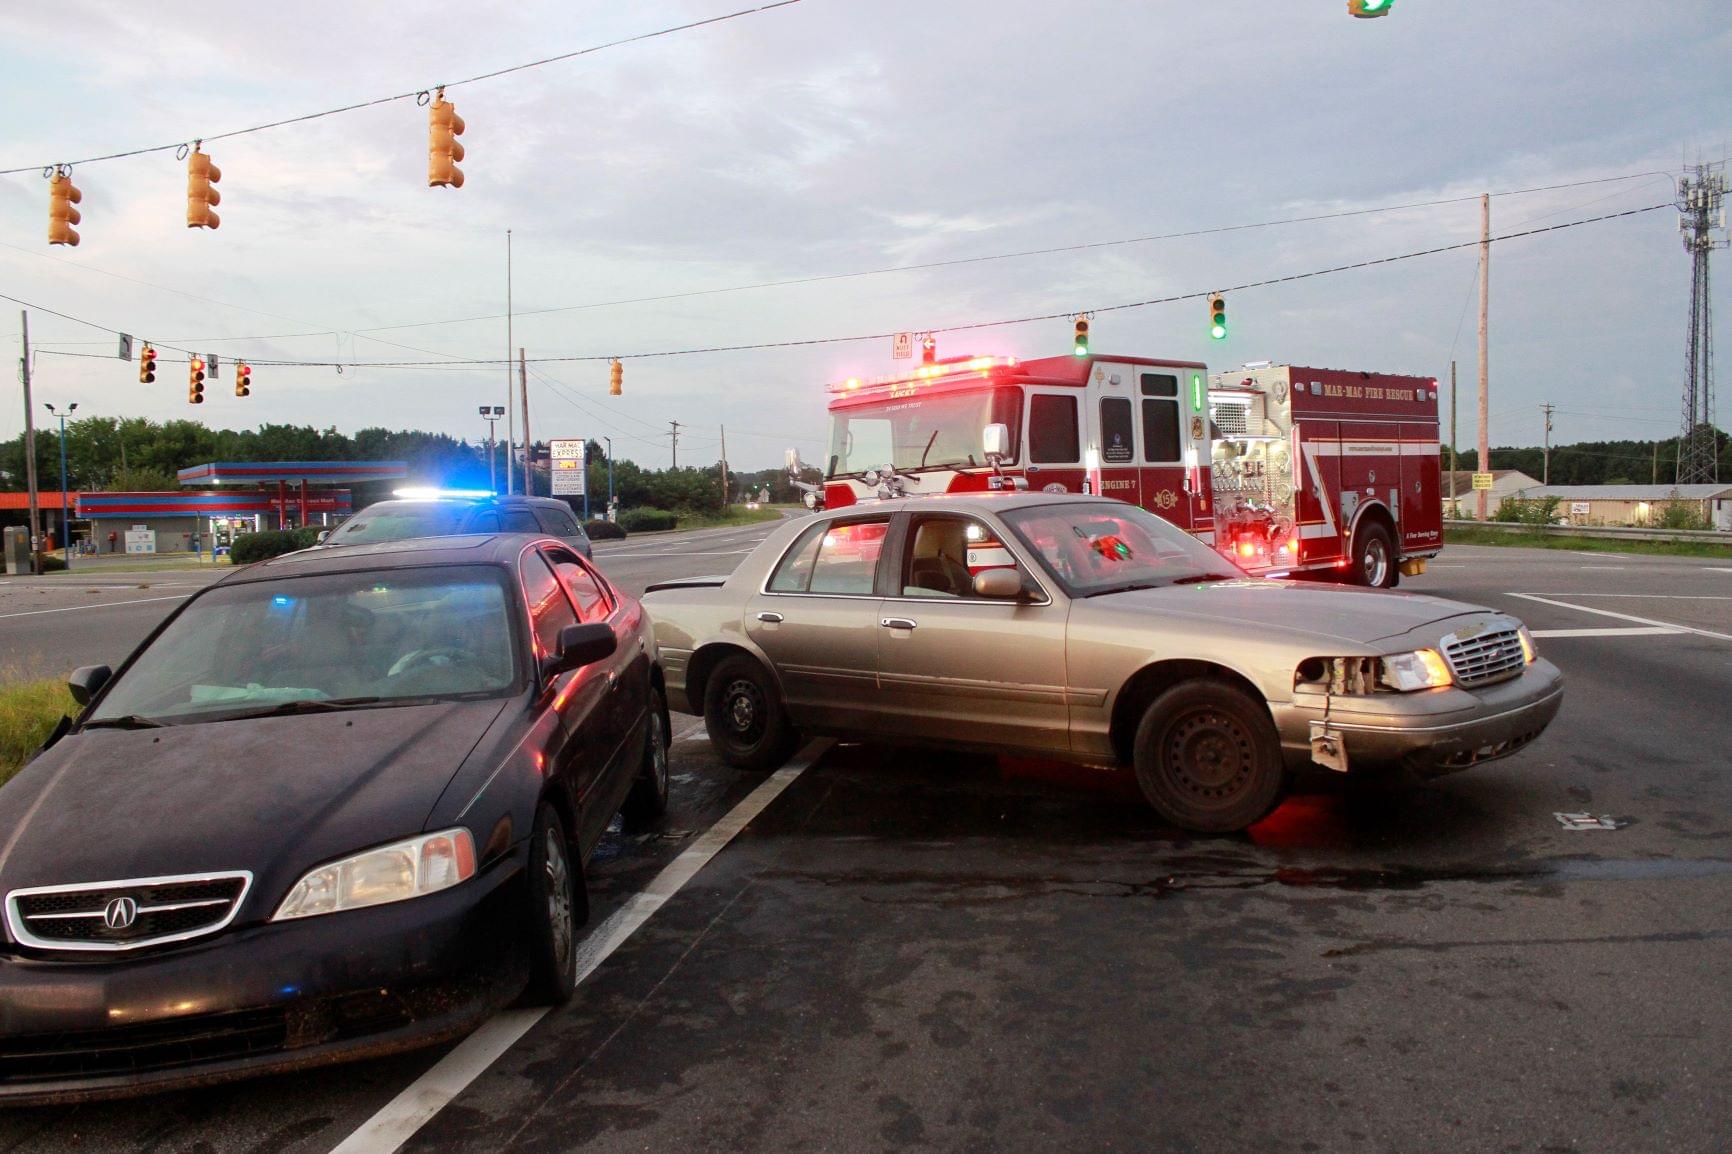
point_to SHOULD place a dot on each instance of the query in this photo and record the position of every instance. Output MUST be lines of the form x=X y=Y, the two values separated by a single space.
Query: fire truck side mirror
x=995 y=441
x=793 y=461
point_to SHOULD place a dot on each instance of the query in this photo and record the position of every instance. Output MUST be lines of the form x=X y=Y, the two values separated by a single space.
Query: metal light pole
x=65 y=523
x=609 y=441
x=490 y=414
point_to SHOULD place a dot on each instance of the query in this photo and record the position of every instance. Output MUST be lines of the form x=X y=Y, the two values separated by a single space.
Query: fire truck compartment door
x=1317 y=489
x=1421 y=488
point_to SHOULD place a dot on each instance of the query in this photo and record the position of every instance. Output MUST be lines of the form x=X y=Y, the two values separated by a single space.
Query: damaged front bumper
x=1432 y=732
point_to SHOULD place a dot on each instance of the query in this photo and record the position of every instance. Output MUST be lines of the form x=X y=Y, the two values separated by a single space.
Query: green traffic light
x=1082 y=349
x=1219 y=332
x=1377 y=5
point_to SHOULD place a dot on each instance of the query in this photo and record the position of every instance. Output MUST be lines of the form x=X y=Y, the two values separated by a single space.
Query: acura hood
x=1355 y=616
x=273 y=795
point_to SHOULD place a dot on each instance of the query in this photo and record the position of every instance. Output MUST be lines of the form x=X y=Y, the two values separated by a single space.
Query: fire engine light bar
x=923 y=374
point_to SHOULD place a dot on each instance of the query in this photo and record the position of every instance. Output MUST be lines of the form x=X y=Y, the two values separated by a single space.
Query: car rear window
x=518 y=521
x=399 y=521
x=558 y=521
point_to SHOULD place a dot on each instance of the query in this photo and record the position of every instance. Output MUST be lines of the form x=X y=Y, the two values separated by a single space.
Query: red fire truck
x=1287 y=470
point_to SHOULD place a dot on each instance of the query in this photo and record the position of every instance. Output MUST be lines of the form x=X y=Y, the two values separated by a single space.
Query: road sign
x=210 y=365
x=565 y=457
x=1482 y=480
x=125 y=353
x=902 y=348
x=1580 y=508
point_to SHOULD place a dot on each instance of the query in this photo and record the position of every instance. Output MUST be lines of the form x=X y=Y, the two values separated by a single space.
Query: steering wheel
x=437 y=655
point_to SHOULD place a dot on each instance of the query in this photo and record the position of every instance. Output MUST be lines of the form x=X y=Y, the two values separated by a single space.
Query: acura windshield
x=918 y=432
x=374 y=638
x=1112 y=547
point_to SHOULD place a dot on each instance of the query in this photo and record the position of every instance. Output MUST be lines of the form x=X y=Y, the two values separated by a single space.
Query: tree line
x=1596 y=462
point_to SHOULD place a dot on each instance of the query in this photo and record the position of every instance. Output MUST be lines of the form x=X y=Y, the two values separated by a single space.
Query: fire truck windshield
x=1112 y=547
x=922 y=431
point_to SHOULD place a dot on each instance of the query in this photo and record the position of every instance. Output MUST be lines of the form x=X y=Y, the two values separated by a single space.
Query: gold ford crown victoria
x=1092 y=631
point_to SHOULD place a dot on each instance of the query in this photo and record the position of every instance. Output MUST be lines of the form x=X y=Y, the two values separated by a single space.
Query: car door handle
x=770 y=618
x=898 y=623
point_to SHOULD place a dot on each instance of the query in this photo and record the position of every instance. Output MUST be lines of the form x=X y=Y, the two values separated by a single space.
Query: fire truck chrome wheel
x=1375 y=556
x=744 y=716
x=1207 y=757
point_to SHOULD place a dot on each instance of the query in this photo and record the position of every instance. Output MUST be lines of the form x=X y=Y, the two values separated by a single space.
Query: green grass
x=28 y=712
x=736 y=515
x=1475 y=535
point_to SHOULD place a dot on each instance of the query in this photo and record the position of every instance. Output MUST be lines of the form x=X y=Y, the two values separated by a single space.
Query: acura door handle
x=770 y=618
x=898 y=623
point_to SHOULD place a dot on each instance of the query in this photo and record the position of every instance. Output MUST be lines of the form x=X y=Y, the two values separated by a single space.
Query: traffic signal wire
x=415 y=95
x=1060 y=314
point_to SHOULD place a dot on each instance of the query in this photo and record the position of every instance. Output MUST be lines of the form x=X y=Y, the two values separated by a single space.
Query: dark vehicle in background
x=338 y=804
x=445 y=514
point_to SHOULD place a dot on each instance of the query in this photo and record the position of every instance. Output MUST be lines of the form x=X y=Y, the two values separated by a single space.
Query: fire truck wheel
x=1374 y=557
x=1208 y=758
x=743 y=712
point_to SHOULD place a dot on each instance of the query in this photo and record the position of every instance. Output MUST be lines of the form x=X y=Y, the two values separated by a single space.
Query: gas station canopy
x=293 y=472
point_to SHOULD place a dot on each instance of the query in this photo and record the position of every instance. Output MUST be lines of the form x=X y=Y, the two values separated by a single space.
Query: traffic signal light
x=243 y=379
x=200 y=196
x=615 y=375
x=62 y=195
x=444 y=126
x=1218 y=317
x=195 y=381
x=1369 y=9
x=146 y=365
x=1082 y=337
x=928 y=349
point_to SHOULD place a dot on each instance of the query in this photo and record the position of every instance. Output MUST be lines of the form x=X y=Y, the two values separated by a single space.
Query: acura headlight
x=390 y=873
x=1421 y=669
x=1528 y=650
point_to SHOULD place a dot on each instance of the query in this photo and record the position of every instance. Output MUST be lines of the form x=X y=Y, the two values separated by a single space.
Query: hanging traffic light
x=200 y=196
x=243 y=379
x=1218 y=317
x=146 y=365
x=444 y=126
x=615 y=375
x=62 y=195
x=1082 y=337
x=1369 y=9
x=195 y=381
x=928 y=349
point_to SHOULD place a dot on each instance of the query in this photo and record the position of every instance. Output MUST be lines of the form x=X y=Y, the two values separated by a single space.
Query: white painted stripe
x=1624 y=616
x=415 y=1106
x=95 y=605
x=1652 y=596
x=1716 y=569
x=1631 y=631
x=1602 y=568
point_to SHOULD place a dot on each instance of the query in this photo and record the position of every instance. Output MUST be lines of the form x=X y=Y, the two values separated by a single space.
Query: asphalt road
x=913 y=951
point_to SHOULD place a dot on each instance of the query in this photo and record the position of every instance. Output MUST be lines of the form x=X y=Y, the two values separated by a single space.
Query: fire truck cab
x=1252 y=464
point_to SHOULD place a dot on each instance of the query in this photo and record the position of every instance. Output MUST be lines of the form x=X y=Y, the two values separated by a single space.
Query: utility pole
x=724 y=429
x=1484 y=462
x=33 y=500
x=510 y=424
x=1454 y=465
x=609 y=441
x=676 y=442
x=1546 y=468
x=1654 y=478
x=1702 y=200
x=528 y=450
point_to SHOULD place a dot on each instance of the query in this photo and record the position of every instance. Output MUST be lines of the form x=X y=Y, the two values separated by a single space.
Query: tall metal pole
x=510 y=424
x=1546 y=473
x=1484 y=351
x=1454 y=465
x=30 y=450
x=609 y=441
x=724 y=429
x=523 y=389
x=65 y=521
x=1702 y=200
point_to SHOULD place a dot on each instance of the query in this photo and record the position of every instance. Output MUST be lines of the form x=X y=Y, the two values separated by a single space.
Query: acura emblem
x=120 y=913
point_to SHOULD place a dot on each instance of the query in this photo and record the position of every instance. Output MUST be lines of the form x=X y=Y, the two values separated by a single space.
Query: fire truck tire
x=743 y=712
x=1208 y=758
x=1374 y=557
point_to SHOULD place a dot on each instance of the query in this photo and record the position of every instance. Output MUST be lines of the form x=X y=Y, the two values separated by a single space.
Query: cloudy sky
x=842 y=136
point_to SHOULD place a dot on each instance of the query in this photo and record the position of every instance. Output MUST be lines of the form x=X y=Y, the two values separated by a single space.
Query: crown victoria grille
x=125 y=915
x=1495 y=655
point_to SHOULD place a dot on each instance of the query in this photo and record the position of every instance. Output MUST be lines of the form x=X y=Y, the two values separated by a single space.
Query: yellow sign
x=1482 y=480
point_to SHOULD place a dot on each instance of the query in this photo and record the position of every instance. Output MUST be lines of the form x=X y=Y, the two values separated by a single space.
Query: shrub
x=604 y=531
x=251 y=547
x=1528 y=512
x=28 y=713
x=647 y=520
x=1676 y=514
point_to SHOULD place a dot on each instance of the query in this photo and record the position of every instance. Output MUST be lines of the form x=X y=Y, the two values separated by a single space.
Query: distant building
x=1635 y=504
x=1458 y=491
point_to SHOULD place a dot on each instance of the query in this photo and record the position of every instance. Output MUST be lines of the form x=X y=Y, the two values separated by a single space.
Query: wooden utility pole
x=33 y=500
x=724 y=429
x=1454 y=465
x=510 y=432
x=1654 y=479
x=523 y=392
x=676 y=442
x=1484 y=463
x=1546 y=467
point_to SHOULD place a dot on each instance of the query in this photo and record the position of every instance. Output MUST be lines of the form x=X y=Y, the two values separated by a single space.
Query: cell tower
x=1702 y=201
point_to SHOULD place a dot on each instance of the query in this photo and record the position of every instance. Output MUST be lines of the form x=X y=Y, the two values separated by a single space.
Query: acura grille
x=125 y=915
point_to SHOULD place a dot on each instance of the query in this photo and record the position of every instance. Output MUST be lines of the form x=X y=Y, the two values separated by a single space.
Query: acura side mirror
x=581 y=645
x=87 y=681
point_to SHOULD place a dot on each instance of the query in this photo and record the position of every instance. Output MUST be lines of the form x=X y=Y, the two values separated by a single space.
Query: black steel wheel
x=1374 y=560
x=1208 y=758
x=558 y=905
x=743 y=713
x=648 y=798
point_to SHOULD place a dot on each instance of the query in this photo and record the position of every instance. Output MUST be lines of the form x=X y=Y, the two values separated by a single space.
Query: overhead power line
x=209 y=137
x=1060 y=314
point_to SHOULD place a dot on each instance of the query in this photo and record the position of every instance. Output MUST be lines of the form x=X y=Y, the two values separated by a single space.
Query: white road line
x=1601 y=568
x=1613 y=631
x=94 y=605
x=1624 y=616
x=1652 y=596
x=401 y=1117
